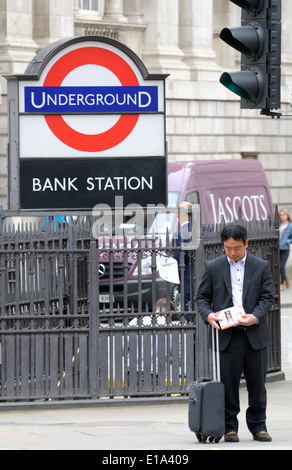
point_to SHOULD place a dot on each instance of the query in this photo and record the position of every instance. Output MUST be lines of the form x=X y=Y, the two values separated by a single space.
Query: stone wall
x=178 y=37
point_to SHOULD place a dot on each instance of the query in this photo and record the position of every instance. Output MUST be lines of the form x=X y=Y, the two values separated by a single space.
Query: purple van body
x=221 y=187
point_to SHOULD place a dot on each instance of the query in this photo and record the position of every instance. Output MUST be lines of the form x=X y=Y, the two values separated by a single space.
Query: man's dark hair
x=237 y=232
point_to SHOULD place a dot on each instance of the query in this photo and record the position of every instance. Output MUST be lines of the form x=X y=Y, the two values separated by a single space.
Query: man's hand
x=248 y=319
x=212 y=318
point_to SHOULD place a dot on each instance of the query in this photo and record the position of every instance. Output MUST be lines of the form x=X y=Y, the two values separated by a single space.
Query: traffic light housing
x=259 y=41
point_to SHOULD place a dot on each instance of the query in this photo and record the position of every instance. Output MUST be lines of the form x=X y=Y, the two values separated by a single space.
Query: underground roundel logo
x=125 y=124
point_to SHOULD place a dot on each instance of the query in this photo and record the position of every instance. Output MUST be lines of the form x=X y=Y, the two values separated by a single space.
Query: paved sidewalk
x=139 y=426
x=148 y=425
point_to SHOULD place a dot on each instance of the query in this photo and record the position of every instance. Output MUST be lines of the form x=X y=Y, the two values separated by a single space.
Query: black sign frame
x=22 y=197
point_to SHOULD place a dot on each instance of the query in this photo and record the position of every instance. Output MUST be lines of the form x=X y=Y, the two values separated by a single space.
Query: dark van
x=221 y=187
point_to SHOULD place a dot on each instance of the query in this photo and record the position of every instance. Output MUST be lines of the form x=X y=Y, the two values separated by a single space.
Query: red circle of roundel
x=123 y=127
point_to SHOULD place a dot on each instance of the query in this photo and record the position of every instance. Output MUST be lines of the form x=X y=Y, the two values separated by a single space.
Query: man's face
x=235 y=249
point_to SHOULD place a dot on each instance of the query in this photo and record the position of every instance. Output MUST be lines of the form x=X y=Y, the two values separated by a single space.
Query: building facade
x=177 y=37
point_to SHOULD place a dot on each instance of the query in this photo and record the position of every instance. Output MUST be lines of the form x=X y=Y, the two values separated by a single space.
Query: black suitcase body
x=207 y=410
x=207 y=404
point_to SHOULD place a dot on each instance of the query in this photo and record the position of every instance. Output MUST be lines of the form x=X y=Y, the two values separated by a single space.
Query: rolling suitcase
x=207 y=402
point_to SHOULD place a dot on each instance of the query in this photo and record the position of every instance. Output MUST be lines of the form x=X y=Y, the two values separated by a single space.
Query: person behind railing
x=183 y=236
x=285 y=241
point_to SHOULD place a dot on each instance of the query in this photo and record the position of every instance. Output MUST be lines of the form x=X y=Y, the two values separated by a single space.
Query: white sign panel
x=91 y=99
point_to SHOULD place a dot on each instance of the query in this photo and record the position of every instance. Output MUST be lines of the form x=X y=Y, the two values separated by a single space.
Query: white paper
x=168 y=268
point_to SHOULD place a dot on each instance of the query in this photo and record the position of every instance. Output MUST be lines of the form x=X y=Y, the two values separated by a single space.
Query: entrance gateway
x=86 y=125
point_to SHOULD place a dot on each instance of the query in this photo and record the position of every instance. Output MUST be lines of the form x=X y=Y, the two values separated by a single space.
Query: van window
x=193 y=198
x=163 y=224
x=173 y=198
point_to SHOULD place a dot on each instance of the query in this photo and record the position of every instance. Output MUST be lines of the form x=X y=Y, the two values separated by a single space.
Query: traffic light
x=259 y=41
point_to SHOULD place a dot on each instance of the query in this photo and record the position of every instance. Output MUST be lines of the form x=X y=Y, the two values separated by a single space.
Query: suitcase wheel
x=202 y=438
x=205 y=439
x=199 y=437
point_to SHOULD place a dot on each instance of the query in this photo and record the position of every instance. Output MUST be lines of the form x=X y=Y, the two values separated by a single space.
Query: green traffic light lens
x=226 y=80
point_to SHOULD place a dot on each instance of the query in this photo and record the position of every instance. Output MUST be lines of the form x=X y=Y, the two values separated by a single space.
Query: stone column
x=132 y=10
x=53 y=20
x=133 y=34
x=161 y=52
x=225 y=14
x=114 y=11
x=196 y=38
x=17 y=46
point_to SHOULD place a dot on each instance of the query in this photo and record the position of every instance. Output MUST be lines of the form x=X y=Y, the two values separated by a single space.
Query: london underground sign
x=52 y=97
x=87 y=108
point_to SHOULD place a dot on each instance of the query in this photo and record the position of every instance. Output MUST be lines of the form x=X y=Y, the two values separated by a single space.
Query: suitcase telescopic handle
x=215 y=355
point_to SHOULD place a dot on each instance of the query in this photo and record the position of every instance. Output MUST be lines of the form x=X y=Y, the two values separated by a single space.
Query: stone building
x=178 y=37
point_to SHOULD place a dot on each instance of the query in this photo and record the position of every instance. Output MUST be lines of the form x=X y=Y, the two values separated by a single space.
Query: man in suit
x=240 y=279
x=183 y=236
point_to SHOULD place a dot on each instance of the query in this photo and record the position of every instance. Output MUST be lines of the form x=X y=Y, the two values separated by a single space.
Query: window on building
x=249 y=155
x=88 y=5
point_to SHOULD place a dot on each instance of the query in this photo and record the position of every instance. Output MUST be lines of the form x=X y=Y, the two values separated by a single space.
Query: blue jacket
x=286 y=237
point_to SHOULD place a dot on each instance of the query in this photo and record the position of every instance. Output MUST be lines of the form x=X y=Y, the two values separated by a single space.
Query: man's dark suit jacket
x=215 y=294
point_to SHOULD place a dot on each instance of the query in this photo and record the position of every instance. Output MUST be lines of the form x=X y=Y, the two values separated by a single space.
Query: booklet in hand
x=230 y=317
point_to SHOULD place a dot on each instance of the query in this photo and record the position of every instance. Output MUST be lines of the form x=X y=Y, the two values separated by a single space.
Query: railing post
x=201 y=337
x=94 y=319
